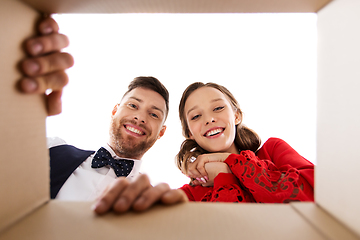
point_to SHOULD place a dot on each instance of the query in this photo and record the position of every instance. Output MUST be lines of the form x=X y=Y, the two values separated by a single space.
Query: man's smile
x=134 y=130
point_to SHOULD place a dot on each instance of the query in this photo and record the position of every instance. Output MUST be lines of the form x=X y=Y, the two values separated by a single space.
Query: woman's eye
x=195 y=117
x=218 y=108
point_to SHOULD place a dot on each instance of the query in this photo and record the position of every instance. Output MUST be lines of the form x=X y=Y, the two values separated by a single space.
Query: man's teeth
x=134 y=130
x=214 y=132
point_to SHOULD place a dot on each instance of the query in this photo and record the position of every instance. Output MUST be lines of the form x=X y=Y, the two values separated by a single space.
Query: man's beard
x=129 y=147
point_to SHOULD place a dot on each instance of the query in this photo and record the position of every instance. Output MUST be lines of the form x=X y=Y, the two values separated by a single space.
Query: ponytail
x=246 y=138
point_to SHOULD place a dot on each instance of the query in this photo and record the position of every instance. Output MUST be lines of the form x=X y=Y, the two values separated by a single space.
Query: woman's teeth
x=214 y=132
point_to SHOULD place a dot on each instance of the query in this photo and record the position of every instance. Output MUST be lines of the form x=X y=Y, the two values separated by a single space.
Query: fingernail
x=207 y=179
x=203 y=180
x=198 y=179
x=122 y=201
x=29 y=85
x=47 y=30
x=98 y=205
x=32 y=67
x=36 y=48
x=141 y=200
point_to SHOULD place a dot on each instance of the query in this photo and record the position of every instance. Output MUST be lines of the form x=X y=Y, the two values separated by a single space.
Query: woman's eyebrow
x=217 y=99
x=193 y=108
x=214 y=100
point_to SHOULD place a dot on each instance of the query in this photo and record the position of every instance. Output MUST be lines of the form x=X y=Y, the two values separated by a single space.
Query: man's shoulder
x=54 y=141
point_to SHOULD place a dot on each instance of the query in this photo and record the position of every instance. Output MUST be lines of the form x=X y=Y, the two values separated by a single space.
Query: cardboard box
x=26 y=212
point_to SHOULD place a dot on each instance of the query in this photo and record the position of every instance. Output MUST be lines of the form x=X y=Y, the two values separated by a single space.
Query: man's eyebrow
x=137 y=99
x=214 y=100
x=156 y=108
x=153 y=106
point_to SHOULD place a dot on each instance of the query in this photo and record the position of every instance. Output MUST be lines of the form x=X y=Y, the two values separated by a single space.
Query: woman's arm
x=285 y=176
x=222 y=186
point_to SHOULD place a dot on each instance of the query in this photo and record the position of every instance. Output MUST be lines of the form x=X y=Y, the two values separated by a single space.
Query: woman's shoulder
x=272 y=141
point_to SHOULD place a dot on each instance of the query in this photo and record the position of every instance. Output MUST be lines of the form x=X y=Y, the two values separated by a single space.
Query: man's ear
x=237 y=118
x=115 y=109
x=162 y=131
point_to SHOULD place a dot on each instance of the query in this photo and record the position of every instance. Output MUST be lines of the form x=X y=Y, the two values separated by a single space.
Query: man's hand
x=45 y=66
x=138 y=195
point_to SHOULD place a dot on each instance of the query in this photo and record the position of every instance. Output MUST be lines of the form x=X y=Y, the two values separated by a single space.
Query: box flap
x=324 y=222
x=75 y=220
x=175 y=6
x=24 y=160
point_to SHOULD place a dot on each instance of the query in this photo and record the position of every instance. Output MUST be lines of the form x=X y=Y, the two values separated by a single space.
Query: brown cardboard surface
x=75 y=220
x=337 y=175
x=24 y=177
x=326 y=224
x=176 y=6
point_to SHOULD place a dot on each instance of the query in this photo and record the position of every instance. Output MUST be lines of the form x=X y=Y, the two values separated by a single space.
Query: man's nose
x=140 y=117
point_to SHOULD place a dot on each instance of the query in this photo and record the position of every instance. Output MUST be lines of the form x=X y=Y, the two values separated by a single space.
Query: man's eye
x=154 y=115
x=132 y=105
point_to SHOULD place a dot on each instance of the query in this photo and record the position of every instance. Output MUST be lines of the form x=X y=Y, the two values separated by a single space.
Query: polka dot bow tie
x=122 y=167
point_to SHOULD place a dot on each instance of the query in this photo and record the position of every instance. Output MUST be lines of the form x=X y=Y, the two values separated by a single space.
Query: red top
x=276 y=174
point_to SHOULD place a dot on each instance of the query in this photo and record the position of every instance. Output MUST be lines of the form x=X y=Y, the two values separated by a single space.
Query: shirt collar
x=113 y=154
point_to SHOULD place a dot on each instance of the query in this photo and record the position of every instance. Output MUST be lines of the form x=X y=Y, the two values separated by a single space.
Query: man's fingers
x=174 y=196
x=55 y=81
x=110 y=195
x=48 y=26
x=150 y=196
x=47 y=64
x=46 y=44
x=134 y=190
x=54 y=104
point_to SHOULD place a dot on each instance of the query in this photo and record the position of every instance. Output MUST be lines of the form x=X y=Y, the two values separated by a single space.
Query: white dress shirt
x=87 y=183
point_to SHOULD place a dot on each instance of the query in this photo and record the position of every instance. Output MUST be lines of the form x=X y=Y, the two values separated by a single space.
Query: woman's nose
x=211 y=120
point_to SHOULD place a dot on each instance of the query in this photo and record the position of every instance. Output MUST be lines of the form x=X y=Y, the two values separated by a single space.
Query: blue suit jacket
x=64 y=160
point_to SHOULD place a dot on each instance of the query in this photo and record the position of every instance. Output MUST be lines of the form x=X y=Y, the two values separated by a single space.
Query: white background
x=268 y=61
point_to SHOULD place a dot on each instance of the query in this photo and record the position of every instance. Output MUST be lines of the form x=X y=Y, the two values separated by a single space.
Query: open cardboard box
x=26 y=212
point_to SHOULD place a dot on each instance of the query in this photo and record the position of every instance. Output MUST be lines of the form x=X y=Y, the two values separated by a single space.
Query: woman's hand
x=44 y=68
x=213 y=169
x=196 y=170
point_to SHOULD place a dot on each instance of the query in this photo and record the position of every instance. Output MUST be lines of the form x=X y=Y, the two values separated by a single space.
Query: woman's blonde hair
x=245 y=138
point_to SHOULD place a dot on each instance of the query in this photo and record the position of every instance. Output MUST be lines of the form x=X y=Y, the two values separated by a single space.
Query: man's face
x=137 y=122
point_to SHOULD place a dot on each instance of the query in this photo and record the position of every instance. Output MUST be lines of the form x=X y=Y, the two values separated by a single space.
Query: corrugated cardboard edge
x=325 y=223
x=338 y=112
x=175 y=6
x=22 y=138
x=75 y=220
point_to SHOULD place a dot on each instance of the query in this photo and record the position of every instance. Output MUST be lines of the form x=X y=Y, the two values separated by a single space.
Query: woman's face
x=212 y=120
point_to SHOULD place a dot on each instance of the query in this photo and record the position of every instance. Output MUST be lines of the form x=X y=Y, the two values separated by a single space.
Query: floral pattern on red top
x=260 y=180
